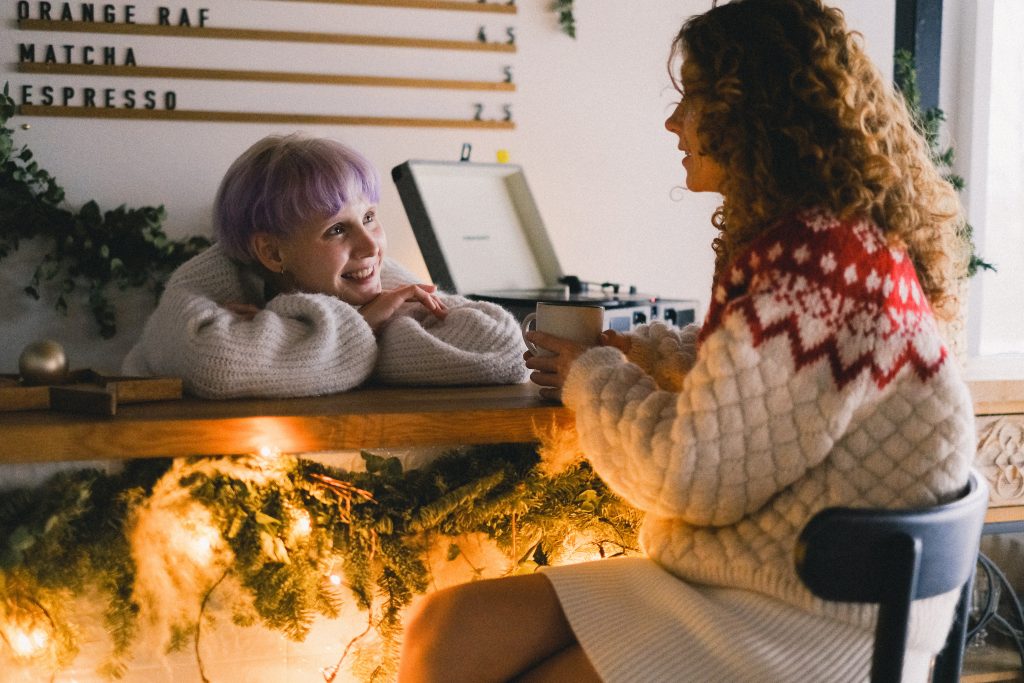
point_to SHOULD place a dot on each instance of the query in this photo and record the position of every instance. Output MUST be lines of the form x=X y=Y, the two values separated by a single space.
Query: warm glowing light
x=303 y=525
x=335 y=580
x=197 y=539
x=28 y=642
x=269 y=452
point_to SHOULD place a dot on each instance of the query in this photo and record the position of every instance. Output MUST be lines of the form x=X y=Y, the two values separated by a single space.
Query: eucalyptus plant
x=88 y=250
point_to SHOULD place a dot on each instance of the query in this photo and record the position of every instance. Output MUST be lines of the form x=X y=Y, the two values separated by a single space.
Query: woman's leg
x=571 y=664
x=492 y=630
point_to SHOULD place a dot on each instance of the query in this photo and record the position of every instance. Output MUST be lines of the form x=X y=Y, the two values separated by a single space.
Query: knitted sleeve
x=807 y=327
x=476 y=343
x=665 y=353
x=741 y=428
x=298 y=345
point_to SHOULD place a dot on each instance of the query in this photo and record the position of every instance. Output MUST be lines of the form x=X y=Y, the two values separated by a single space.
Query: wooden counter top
x=366 y=418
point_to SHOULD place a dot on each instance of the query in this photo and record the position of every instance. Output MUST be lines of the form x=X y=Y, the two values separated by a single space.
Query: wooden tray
x=87 y=391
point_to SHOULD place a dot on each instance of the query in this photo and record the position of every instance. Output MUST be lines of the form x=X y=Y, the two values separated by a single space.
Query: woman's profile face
x=340 y=256
x=703 y=174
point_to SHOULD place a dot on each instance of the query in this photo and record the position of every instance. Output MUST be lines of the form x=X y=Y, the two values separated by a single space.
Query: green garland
x=88 y=249
x=66 y=539
x=72 y=537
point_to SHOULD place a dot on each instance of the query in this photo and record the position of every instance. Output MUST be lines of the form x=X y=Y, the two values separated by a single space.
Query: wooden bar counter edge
x=364 y=418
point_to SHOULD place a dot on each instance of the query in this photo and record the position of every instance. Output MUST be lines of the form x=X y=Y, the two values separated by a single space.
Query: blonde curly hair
x=798 y=116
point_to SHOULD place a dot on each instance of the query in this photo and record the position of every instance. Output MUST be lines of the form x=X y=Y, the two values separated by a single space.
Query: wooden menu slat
x=256 y=117
x=494 y=7
x=263 y=76
x=259 y=34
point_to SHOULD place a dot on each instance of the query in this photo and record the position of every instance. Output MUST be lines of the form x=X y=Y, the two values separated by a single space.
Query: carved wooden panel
x=1000 y=457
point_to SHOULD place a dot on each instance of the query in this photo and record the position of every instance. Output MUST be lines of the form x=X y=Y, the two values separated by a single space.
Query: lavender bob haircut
x=284 y=182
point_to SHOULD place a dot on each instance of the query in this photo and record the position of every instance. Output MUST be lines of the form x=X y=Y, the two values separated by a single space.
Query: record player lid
x=477 y=225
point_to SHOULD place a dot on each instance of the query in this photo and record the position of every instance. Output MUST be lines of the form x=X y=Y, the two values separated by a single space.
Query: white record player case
x=482 y=235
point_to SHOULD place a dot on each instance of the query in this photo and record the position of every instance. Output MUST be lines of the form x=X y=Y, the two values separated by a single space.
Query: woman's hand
x=622 y=342
x=550 y=371
x=380 y=310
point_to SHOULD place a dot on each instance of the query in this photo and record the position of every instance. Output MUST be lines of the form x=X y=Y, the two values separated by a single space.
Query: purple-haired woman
x=296 y=297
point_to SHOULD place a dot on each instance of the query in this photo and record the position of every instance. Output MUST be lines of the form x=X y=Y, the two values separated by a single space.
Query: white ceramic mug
x=582 y=324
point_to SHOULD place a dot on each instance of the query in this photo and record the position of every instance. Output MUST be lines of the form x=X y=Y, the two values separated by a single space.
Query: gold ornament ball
x=43 y=362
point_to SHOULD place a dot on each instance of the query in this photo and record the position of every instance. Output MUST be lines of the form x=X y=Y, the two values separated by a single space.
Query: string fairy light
x=28 y=643
x=266 y=452
x=197 y=538
x=303 y=525
x=26 y=628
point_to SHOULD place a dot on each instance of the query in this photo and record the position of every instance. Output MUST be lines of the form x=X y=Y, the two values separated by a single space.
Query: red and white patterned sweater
x=818 y=379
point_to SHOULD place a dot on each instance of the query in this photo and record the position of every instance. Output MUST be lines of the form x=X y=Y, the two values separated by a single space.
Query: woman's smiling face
x=340 y=256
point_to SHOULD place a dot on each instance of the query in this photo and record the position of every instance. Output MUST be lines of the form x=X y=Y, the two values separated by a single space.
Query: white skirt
x=637 y=622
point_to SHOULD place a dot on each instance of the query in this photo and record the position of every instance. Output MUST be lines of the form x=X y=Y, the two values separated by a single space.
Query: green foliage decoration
x=69 y=538
x=88 y=249
x=566 y=17
x=63 y=540
x=929 y=121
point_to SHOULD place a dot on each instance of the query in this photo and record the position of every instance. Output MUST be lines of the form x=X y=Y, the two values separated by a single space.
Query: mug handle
x=529 y=323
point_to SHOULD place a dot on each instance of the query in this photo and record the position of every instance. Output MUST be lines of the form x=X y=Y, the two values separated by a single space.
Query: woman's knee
x=432 y=637
x=433 y=614
x=494 y=628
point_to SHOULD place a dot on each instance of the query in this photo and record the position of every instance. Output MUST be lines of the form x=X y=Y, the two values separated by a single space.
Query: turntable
x=482 y=236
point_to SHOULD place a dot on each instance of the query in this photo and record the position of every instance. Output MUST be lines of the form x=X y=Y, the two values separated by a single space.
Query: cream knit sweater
x=307 y=344
x=819 y=380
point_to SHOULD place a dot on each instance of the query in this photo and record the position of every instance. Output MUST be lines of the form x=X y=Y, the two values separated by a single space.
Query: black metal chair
x=892 y=557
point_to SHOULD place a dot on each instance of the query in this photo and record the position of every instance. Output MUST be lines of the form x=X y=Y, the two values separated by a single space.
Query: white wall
x=589 y=133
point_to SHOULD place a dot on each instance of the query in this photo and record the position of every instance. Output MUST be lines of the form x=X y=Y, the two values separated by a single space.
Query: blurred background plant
x=86 y=249
x=929 y=121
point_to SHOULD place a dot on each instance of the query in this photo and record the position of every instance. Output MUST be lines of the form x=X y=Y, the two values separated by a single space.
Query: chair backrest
x=892 y=557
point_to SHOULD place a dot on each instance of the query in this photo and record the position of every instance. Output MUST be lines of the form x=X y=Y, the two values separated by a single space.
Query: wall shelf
x=492 y=7
x=256 y=117
x=263 y=76
x=259 y=35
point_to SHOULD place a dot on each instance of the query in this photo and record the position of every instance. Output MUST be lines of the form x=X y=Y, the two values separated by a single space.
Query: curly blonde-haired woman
x=817 y=379
x=808 y=120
